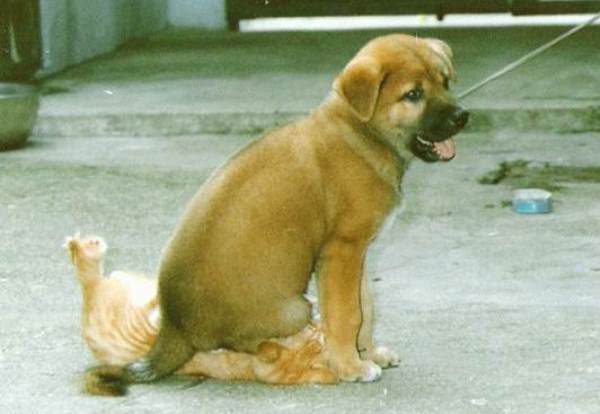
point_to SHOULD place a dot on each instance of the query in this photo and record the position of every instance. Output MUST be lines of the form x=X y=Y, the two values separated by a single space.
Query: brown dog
x=306 y=198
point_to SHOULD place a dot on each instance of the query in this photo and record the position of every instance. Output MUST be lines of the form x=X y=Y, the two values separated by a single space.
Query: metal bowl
x=18 y=112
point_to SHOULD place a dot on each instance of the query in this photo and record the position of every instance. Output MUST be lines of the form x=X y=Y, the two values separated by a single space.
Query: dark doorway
x=20 y=43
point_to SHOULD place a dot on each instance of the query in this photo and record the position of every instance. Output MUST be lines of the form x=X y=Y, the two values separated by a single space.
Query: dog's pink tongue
x=446 y=149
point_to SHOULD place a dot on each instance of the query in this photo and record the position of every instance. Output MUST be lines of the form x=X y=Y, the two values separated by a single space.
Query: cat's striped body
x=121 y=316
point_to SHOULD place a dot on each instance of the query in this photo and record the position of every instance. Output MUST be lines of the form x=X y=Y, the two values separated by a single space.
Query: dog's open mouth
x=430 y=150
x=445 y=150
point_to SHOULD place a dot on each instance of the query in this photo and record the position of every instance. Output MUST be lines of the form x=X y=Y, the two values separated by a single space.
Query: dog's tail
x=170 y=351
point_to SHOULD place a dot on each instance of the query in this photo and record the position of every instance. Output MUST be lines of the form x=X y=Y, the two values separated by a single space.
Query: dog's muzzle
x=438 y=143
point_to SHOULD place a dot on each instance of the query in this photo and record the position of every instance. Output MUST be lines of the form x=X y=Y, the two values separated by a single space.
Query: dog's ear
x=359 y=85
x=443 y=53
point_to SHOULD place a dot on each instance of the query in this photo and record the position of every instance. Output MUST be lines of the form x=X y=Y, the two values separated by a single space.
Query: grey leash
x=527 y=57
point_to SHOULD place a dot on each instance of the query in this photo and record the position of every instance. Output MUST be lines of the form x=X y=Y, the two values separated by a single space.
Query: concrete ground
x=188 y=82
x=490 y=311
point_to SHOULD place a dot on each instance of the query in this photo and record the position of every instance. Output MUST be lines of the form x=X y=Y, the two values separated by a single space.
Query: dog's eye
x=414 y=95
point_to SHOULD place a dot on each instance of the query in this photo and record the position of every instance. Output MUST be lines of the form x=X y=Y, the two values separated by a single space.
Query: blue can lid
x=532 y=201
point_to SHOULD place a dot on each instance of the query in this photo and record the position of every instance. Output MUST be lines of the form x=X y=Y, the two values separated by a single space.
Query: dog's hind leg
x=277 y=320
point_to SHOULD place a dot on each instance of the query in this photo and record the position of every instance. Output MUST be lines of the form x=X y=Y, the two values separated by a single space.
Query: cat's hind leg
x=87 y=255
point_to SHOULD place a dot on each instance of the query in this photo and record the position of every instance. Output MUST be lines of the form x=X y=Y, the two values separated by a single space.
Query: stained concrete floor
x=188 y=82
x=490 y=311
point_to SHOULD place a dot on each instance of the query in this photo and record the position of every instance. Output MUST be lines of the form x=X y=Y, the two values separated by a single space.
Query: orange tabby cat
x=120 y=318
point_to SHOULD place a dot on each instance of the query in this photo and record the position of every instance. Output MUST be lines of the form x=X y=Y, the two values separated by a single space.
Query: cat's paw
x=93 y=247
x=90 y=248
x=71 y=245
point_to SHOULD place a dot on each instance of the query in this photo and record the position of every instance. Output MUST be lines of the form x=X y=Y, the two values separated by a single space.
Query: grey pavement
x=490 y=311
x=188 y=81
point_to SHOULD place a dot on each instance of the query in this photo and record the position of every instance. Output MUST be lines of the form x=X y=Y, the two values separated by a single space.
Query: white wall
x=76 y=30
x=206 y=14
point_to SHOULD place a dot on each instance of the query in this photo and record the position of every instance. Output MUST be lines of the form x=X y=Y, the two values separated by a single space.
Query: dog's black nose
x=459 y=117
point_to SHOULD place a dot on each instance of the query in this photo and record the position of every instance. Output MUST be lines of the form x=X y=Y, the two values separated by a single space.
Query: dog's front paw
x=365 y=371
x=382 y=356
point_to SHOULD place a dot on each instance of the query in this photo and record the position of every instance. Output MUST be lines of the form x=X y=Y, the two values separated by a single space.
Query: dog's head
x=398 y=87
